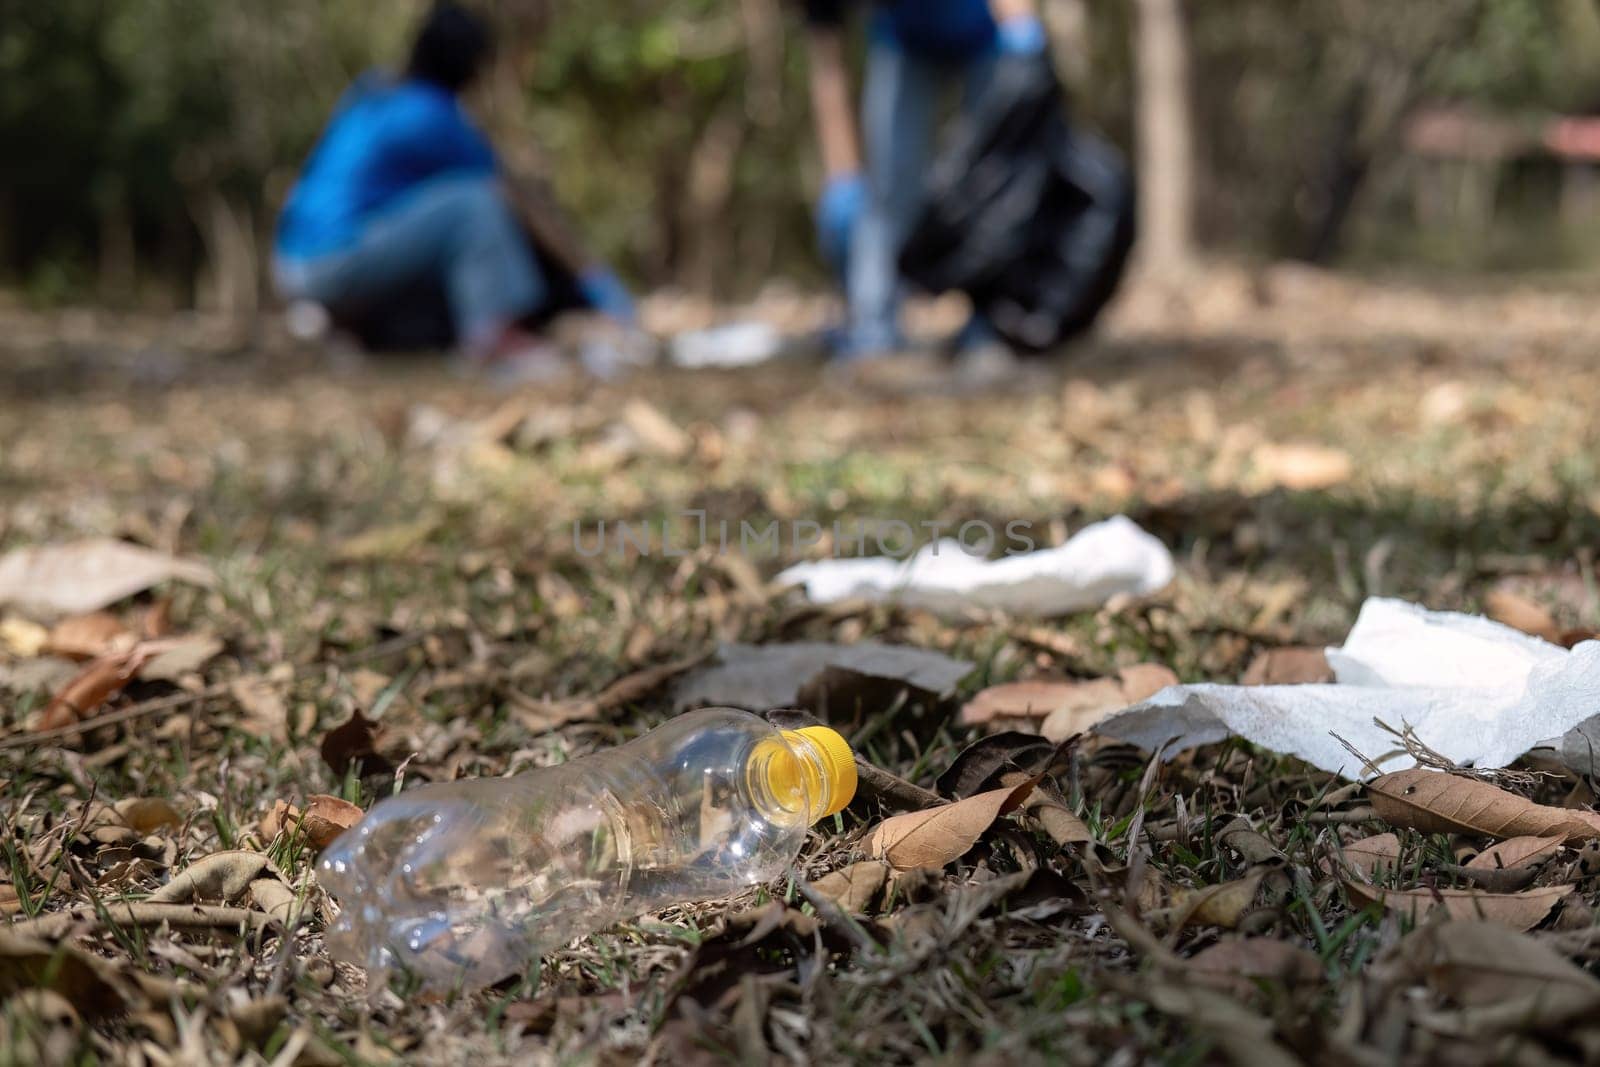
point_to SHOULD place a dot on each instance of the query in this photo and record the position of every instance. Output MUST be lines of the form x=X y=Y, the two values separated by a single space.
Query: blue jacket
x=384 y=138
x=946 y=29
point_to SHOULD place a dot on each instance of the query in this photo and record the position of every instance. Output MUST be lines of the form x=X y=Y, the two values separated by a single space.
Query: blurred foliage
x=146 y=141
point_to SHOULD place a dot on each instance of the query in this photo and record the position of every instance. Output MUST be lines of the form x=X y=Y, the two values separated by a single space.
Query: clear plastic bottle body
x=464 y=883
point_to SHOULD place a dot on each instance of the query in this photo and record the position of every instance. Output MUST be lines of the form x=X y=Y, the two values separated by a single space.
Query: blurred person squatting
x=872 y=187
x=402 y=226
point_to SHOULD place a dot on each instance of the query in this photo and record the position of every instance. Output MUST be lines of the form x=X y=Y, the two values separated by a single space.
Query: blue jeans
x=898 y=105
x=454 y=233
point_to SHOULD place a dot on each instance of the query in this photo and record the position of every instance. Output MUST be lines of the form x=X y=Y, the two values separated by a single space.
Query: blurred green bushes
x=145 y=144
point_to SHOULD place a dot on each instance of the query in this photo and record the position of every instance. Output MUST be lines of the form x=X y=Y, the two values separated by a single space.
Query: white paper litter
x=738 y=344
x=1475 y=691
x=1103 y=560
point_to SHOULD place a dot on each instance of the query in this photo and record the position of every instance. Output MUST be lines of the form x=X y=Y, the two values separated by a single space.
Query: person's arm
x=831 y=106
x=551 y=230
x=844 y=192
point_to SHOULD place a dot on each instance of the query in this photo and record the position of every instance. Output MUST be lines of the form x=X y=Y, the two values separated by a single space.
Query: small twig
x=1368 y=766
x=892 y=790
x=137 y=711
x=59 y=924
x=1429 y=757
x=1339 y=818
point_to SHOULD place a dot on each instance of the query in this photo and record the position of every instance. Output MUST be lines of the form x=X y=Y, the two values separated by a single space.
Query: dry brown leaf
x=936 y=836
x=273 y=897
x=146 y=815
x=1370 y=855
x=1520 y=613
x=181 y=656
x=92 y=985
x=1057 y=820
x=1520 y=911
x=1301 y=467
x=1440 y=803
x=1240 y=966
x=90 y=636
x=85 y=576
x=1021 y=700
x=263 y=706
x=1516 y=852
x=156 y=622
x=1099 y=697
x=97 y=683
x=282 y=817
x=1288 y=666
x=10 y=900
x=326 y=817
x=854 y=888
x=1216 y=905
x=1505 y=976
x=1067 y=707
x=355 y=743
x=220 y=876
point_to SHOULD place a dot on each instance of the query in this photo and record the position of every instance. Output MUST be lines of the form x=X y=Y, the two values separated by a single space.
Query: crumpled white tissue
x=1475 y=691
x=1100 y=561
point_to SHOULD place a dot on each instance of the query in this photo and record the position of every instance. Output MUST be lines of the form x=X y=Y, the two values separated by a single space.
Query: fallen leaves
x=87 y=982
x=1370 y=857
x=86 y=636
x=1521 y=613
x=854 y=888
x=103 y=678
x=1435 y=802
x=937 y=836
x=1515 y=853
x=1520 y=911
x=325 y=817
x=1221 y=905
x=816 y=676
x=1241 y=966
x=97 y=683
x=1508 y=979
x=354 y=743
x=1065 y=707
x=1288 y=666
x=86 y=576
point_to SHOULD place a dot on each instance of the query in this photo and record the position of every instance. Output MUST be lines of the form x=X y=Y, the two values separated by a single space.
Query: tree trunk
x=1165 y=139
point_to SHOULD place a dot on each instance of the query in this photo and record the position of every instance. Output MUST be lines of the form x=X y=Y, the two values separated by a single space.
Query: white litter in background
x=738 y=344
x=1101 y=561
x=1477 y=692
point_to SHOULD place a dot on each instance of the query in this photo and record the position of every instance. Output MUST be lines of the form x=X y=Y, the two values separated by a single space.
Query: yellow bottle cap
x=833 y=772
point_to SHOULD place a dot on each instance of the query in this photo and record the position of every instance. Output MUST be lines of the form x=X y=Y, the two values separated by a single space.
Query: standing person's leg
x=898 y=102
x=456 y=230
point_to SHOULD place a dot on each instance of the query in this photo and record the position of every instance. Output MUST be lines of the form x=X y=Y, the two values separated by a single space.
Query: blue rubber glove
x=1022 y=35
x=606 y=293
x=844 y=198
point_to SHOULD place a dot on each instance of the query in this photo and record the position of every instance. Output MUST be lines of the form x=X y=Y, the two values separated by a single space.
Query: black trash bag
x=1029 y=216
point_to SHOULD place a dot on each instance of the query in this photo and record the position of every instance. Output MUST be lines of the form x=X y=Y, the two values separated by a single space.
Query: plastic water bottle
x=465 y=883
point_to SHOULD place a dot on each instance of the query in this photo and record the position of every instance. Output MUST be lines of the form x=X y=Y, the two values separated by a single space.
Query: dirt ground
x=399 y=544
